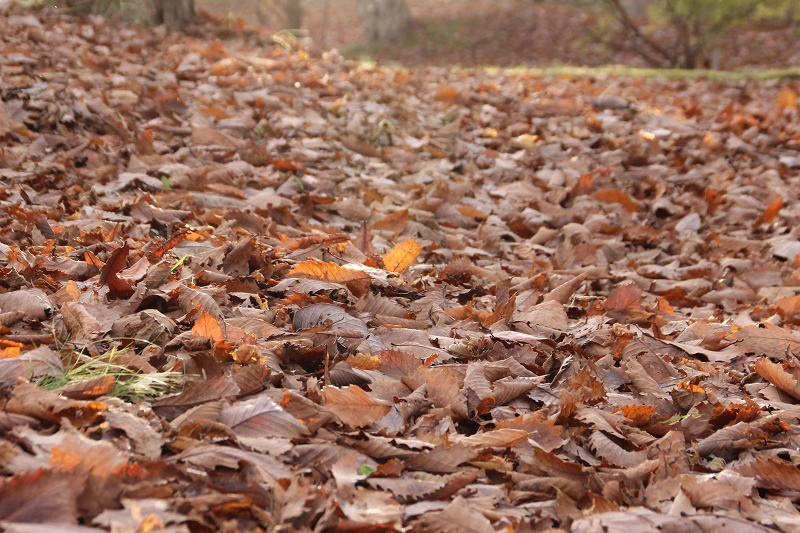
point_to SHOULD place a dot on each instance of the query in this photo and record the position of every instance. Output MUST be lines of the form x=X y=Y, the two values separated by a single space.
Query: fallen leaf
x=616 y=196
x=41 y=497
x=402 y=255
x=261 y=417
x=625 y=297
x=787 y=98
x=395 y=222
x=325 y=271
x=770 y=214
x=207 y=327
x=353 y=406
x=779 y=377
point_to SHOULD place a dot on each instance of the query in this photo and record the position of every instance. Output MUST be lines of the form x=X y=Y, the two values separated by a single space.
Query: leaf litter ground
x=246 y=289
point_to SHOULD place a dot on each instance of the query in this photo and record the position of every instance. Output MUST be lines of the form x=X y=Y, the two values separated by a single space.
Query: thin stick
x=327 y=363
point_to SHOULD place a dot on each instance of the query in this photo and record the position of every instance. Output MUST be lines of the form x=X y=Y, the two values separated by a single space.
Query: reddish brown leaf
x=117 y=287
x=41 y=497
x=34 y=304
x=625 y=297
x=116 y=262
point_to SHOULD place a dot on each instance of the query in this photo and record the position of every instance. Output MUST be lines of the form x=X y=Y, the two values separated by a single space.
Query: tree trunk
x=294 y=13
x=174 y=14
x=384 y=20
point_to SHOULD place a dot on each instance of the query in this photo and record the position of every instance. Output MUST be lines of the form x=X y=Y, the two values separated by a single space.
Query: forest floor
x=507 y=33
x=245 y=288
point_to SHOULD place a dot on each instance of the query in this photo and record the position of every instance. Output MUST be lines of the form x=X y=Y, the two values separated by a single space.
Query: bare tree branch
x=636 y=34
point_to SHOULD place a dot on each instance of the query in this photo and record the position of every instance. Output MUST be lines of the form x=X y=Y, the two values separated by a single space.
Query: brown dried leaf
x=498 y=438
x=261 y=417
x=442 y=459
x=41 y=497
x=458 y=517
x=613 y=453
x=771 y=473
x=34 y=304
x=770 y=341
x=201 y=392
x=779 y=377
x=80 y=323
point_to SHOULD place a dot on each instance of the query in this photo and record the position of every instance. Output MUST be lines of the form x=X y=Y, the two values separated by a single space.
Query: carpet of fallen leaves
x=396 y=300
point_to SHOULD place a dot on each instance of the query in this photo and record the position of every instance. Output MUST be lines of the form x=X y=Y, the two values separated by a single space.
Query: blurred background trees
x=175 y=14
x=676 y=33
x=384 y=21
x=726 y=34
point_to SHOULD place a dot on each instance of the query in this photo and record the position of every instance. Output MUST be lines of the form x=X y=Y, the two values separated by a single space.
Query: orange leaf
x=616 y=196
x=402 y=255
x=789 y=306
x=786 y=98
x=9 y=349
x=770 y=213
x=584 y=185
x=713 y=200
x=92 y=259
x=325 y=271
x=207 y=327
x=446 y=93
x=471 y=212
x=285 y=164
x=364 y=361
x=353 y=406
x=625 y=297
x=396 y=222
x=90 y=389
x=639 y=415
x=664 y=305
x=213 y=111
